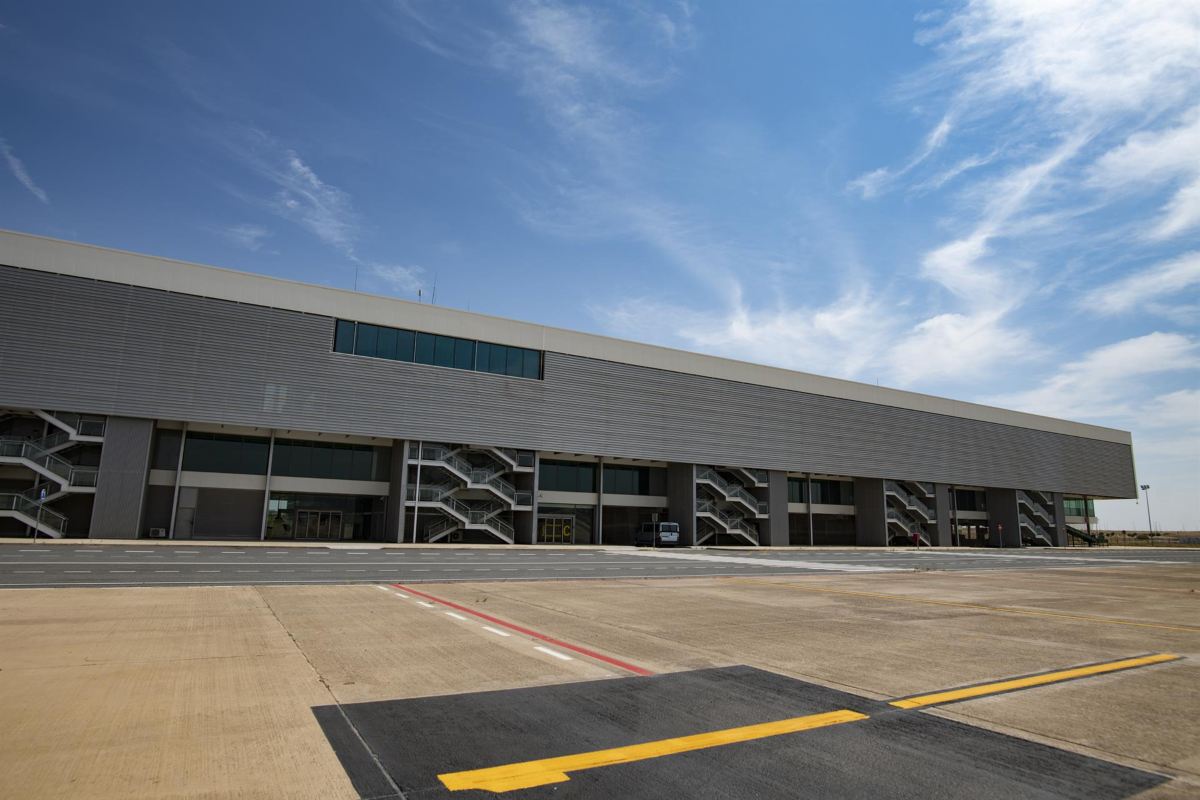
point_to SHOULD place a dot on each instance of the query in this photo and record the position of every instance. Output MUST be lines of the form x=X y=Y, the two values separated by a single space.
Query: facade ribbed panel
x=81 y=345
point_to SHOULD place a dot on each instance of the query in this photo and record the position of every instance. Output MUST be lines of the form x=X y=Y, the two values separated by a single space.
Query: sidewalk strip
x=583 y=651
x=970 y=692
x=528 y=774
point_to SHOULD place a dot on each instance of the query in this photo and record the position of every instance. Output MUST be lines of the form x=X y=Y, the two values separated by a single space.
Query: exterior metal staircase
x=1037 y=526
x=477 y=515
x=472 y=476
x=53 y=474
x=900 y=526
x=754 y=477
x=731 y=491
x=723 y=521
x=907 y=512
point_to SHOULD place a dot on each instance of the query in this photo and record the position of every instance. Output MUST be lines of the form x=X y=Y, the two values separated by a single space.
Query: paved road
x=28 y=565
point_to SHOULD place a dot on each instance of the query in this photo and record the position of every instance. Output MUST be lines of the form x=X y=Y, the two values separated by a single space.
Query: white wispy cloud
x=1169 y=155
x=21 y=174
x=246 y=235
x=1137 y=289
x=1108 y=382
x=394 y=278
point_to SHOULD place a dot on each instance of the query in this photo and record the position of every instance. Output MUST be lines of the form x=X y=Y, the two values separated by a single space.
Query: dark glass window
x=343 y=337
x=497 y=362
x=404 y=345
x=216 y=452
x=366 y=341
x=834 y=493
x=619 y=479
x=385 y=346
x=332 y=460
x=398 y=344
x=533 y=364
x=567 y=476
x=425 y=348
x=464 y=354
x=166 y=449
x=796 y=490
x=443 y=354
x=516 y=362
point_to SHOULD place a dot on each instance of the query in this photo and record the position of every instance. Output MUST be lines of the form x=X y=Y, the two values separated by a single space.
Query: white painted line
x=456 y=616
x=29 y=571
x=383 y=588
x=427 y=605
x=401 y=596
x=496 y=631
x=137 y=551
x=554 y=653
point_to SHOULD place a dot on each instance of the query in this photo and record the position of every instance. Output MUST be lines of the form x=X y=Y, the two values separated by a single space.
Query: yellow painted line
x=527 y=774
x=1034 y=680
x=976 y=606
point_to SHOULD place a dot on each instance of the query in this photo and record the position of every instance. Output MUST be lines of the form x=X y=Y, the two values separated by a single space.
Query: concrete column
x=121 y=482
x=942 y=533
x=599 y=523
x=262 y=528
x=1060 y=520
x=775 y=527
x=870 y=520
x=681 y=500
x=1003 y=511
x=393 y=522
x=527 y=533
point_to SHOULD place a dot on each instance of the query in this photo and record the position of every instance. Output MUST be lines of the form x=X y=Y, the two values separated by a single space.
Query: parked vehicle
x=657 y=534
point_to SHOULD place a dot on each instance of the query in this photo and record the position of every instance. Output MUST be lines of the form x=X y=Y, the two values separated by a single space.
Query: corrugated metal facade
x=81 y=345
x=117 y=511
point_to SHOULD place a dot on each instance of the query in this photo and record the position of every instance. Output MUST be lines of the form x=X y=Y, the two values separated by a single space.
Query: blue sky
x=993 y=200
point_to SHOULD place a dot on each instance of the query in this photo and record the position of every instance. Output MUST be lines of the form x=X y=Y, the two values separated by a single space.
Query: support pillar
x=943 y=531
x=121 y=481
x=681 y=500
x=870 y=518
x=527 y=533
x=1004 y=518
x=1060 y=520
x=775 y=527
x=262 y=529
x=393 y=528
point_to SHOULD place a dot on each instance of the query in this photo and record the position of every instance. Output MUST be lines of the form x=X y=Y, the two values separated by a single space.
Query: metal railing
x=1034 y=506
x=758 y=477
x=83 y=426
x=731 y=490
x=465 y=469
x=730 y=522
x=64 y=471
x=480 y=514
x=34 y=510
x=910 y=501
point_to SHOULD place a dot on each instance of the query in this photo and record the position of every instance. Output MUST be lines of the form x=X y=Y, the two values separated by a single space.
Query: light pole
x=1149 y=524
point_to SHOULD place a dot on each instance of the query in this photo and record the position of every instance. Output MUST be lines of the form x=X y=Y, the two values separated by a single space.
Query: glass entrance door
x=556 y=530
x=313 y=524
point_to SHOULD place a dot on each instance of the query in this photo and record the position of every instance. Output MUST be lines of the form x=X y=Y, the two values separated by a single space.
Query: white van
x=657 y=534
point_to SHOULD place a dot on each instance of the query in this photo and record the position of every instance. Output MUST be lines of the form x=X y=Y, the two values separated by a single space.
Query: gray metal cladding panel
x=91 y=346
x=121 y=483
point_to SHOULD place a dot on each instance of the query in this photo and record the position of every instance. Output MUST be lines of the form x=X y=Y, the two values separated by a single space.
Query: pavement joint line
x=1030 y=681
x=547 y=771
x=978 y=606
x=592 y=654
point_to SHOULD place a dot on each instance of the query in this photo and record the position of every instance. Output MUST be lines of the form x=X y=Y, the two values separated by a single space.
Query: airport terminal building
x=146 y=397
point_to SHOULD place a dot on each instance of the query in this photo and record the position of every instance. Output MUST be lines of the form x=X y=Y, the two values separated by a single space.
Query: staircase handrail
x=34 y=510
x=909 y=499
x=731 y=490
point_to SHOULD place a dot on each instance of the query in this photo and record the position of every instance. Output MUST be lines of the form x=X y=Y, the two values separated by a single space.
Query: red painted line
x=636 y=670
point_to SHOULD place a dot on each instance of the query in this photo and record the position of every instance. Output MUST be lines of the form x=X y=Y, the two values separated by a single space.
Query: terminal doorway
x=972 y=534
x=317 y=524
x=556 y=529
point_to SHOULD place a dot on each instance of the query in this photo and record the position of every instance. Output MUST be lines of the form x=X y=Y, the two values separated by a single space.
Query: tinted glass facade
x=351 y=462
x=825 y=491
x=566 y=476
x=219 y=452
x=1073 y=507
x=620 y=479
x=396 y=344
